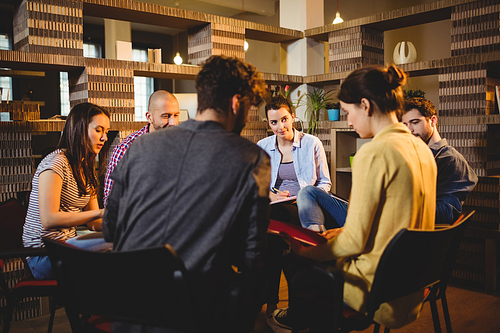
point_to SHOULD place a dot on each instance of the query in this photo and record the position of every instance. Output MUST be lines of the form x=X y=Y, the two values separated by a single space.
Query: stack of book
x=478 y=143
x=49 y=26
x=355 y=47
x=16 y=164
x=20 y=111
x=109 y=86
x=475 y=28
x=216 y=38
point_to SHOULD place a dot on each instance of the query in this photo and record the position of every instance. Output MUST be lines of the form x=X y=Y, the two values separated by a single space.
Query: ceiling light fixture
x=177 y=59
x=338 y=19
x=245 y=43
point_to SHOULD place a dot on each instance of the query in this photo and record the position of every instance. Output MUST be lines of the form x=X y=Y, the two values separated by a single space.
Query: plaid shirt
x=117 y=155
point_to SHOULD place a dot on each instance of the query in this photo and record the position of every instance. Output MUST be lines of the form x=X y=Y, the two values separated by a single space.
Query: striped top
x=71 y=201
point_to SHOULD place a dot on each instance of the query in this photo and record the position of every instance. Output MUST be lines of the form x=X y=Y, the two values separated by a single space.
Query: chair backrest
x=12 y=215
x=146 y=286
x=412 y=261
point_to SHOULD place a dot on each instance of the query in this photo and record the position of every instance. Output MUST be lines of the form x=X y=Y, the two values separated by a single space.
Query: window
x=5 y=82
x=64 y=91
x=91 y=50
x=5 y=42
x=143 y=87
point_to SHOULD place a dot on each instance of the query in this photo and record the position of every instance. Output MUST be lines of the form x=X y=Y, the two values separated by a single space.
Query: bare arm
x=49 y=199
x=93 y=205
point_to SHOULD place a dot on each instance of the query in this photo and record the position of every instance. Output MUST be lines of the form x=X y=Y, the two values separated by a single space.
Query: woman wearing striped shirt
x=65 y=186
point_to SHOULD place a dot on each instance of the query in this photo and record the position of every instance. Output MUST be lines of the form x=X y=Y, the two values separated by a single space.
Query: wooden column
x=108 y=86
x=475 y=28
x=355 y=47
x=224 y=38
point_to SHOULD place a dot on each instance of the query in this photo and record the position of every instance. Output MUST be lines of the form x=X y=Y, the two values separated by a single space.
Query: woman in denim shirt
x=297 y=159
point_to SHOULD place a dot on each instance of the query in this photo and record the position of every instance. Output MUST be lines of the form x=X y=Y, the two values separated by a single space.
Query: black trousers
x=273 y=257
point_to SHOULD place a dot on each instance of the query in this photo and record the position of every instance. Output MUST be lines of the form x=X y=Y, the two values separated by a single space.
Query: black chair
x=145 y=287
x=12 y=215
x=438 y=292
x=414 y=260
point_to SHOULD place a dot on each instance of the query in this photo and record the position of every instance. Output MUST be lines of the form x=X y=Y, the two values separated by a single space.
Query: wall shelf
x=395 y=19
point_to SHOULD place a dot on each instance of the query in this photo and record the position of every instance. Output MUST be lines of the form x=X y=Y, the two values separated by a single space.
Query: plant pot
x=333 y=114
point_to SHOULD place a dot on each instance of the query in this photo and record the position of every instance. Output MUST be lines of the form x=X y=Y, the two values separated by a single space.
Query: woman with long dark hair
x=65 y=185
x=393 y=187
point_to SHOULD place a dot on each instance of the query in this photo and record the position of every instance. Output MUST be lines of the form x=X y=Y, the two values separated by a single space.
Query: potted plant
x=315 y=102
x=413 y=93
x=333 y=111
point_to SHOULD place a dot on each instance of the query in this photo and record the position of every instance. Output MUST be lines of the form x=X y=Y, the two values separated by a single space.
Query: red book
x=303 y=235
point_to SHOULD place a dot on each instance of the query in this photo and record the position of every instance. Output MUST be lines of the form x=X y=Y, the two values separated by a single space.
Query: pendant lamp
x=338 y=19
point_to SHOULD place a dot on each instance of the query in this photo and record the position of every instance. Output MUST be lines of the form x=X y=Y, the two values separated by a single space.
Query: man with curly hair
x=203 y=189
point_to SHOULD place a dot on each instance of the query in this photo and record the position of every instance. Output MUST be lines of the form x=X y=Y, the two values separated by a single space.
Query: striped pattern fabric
x=71 y=201
x=117 y=155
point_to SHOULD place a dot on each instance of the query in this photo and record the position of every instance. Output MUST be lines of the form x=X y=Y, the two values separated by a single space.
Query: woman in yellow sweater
x=393 y=187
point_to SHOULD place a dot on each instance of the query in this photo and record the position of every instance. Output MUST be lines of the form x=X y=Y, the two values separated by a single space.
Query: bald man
x=163 y=111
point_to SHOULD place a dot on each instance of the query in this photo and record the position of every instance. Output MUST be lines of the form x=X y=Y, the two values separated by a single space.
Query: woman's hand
x=294 y=244
x=278 y=196
x=330 y=233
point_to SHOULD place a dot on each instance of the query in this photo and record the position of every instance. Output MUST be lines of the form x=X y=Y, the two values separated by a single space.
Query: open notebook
x=288 y=200
x=303 y=235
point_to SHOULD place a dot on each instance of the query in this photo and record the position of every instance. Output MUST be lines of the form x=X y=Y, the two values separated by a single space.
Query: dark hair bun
x=395 y=76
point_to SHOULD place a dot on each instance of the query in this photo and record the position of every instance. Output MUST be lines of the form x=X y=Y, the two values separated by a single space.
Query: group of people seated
x=206 y=191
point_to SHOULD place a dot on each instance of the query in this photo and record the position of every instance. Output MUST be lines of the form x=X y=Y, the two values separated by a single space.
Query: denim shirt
x=309 y=160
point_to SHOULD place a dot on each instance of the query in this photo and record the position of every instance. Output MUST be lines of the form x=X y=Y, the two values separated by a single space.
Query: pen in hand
x=276 y=191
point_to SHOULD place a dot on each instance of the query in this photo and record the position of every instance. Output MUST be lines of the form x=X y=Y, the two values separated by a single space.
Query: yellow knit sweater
x=393 y=187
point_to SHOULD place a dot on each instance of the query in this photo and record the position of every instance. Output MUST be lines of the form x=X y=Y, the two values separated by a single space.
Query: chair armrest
x=23 y=252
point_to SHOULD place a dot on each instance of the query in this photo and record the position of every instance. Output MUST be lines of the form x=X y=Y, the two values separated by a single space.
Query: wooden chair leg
x=387 y=330
x=446 y=314
x=376 y=328
x=435 y=316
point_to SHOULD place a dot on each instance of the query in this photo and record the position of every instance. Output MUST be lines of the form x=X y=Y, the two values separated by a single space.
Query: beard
x=241 y=119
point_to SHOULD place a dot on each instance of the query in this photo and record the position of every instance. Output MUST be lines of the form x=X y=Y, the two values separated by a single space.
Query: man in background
x=163 y=111
x=203 y=189
x=455 y=179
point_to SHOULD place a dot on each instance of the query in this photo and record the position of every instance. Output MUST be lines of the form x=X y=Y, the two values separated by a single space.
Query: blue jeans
x=319 y=210
x=41 y=268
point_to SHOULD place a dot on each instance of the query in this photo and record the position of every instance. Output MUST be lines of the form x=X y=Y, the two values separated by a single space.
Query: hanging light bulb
x=338 y=19
x=245 y=43
x=178 y=59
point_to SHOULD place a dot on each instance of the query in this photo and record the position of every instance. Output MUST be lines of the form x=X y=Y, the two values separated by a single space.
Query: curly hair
x=380 y=86
x=223 y=77
x=77 y=147
x=424 y=106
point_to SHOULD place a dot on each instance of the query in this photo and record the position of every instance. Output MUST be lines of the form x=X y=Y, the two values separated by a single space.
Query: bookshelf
x=344 y=142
